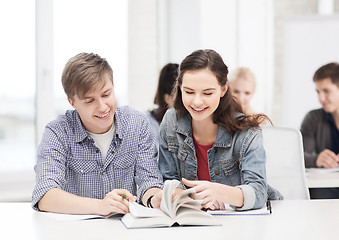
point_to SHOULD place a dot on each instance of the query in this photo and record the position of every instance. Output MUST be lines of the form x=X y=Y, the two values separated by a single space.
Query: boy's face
x=97 y=108
x=328 y=95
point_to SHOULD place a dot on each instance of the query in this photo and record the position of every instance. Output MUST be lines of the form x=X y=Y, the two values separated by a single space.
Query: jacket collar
x=184 y=126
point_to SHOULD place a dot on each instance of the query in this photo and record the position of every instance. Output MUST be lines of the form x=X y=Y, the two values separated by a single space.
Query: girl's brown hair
x=226 y=113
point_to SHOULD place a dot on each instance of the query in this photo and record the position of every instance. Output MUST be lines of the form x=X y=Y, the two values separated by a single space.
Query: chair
x=285 y=167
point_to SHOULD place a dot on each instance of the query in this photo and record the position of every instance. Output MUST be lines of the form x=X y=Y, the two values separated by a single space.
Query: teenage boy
x=96 y=158
x=320 y=127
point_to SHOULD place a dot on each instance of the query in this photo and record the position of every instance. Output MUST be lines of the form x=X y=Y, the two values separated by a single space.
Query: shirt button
x=81 y=170
x=216 y=172
x=112 y=152
x=103 y=173
x=97 y=151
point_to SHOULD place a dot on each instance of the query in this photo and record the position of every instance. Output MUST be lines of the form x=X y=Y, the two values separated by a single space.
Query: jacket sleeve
x=308 y=131
x=253 y=179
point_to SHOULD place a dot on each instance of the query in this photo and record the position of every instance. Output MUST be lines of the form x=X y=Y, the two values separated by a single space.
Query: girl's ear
x=224 y=90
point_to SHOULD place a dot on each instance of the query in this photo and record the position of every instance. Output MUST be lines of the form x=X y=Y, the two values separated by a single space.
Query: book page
x=138 y=210
x=131 y=221
x=166 y=204
x=189 y=216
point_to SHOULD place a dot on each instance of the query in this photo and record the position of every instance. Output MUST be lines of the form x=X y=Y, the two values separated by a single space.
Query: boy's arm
x=308 y=128
x=147 y=174
x=155 y=194
x=60 y=201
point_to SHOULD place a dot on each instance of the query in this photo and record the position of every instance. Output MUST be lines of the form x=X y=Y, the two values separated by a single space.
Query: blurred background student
x=320 y=127
x=243 y=84
x=162 y=99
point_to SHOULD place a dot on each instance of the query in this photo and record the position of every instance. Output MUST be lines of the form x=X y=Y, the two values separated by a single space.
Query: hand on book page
x=182 y=210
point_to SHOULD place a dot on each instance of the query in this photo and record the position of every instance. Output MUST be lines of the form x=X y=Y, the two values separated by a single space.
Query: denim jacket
x=237 y=159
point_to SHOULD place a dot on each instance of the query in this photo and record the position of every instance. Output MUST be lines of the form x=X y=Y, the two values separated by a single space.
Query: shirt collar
x=81 y=134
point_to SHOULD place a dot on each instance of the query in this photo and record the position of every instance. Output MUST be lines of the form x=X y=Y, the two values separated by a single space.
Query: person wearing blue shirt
x=96 y=158
x=207 y=142
x=320 y=127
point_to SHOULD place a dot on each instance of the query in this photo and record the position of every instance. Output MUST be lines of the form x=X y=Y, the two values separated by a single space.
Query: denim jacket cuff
x=249 y=198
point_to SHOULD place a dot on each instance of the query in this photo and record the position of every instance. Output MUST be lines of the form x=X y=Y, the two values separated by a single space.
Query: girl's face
x=243 y=89
x=201 y=93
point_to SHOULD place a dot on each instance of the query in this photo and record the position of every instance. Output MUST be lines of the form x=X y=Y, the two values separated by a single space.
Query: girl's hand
x=209 y=192
x=115 y=201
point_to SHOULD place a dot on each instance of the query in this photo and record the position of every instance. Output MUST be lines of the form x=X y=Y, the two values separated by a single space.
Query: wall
x=242 y=36
x=284 y=10
x=309 y=42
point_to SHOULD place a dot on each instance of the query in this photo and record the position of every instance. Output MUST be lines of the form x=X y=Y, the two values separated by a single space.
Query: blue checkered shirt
x=69 y=160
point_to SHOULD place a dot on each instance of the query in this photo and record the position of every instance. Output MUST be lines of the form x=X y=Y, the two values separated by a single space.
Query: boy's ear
x=70 y=102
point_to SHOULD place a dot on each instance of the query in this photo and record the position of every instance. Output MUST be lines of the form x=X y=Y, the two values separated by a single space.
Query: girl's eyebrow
x=207 y=89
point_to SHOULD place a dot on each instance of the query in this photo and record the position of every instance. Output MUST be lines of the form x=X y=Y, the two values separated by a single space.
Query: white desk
x=322 y=180
x=315 y=219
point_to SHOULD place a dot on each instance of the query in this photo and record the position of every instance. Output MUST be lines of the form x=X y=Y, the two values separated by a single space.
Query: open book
x=183 y=211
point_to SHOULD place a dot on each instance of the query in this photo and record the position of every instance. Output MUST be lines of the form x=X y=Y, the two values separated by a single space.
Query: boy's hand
x=115 y=201
x=156 y=199
x=327 y=159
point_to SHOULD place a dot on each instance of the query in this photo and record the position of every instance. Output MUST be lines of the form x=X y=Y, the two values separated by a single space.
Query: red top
x=202 y=160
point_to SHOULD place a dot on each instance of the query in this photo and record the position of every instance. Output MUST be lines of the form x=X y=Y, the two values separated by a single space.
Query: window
x=17 y=85
x=29 y=101
x=90 y=26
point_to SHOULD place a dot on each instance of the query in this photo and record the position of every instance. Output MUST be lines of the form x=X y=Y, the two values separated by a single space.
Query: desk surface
x=322 y=180
x=314 y=219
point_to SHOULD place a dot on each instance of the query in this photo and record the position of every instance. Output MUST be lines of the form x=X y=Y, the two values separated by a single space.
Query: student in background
x=93 y=159
x=320 y=127
x=242 y=82
x=209 y=143
x=162 y=99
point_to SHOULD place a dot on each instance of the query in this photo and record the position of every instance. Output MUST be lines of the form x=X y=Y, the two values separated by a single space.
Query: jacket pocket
x=231 y=170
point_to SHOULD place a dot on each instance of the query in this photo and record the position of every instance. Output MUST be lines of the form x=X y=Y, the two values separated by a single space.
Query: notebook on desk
x=322 y=170
x=266 y=210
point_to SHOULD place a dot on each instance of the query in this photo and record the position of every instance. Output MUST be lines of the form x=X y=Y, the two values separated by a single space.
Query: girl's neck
x=205 y=132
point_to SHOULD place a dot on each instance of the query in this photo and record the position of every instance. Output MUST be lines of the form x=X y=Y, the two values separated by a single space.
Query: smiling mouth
x=199 y=110
x=103 y=116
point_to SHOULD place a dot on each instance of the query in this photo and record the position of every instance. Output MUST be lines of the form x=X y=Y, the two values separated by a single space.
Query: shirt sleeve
x=50 y=167
x=147 y=173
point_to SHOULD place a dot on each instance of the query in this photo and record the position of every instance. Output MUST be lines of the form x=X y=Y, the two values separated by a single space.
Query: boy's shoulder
x=127 y=113
x=68 y=123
